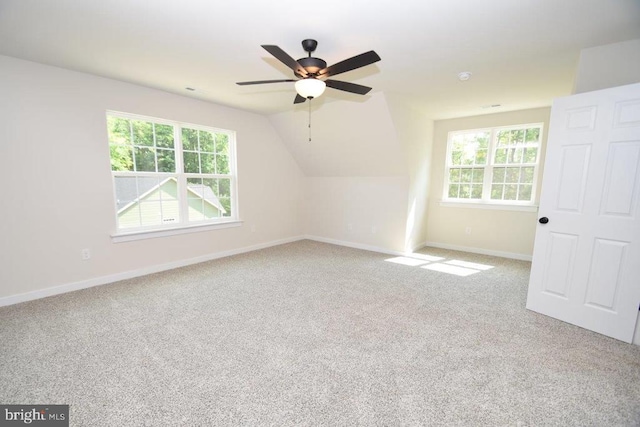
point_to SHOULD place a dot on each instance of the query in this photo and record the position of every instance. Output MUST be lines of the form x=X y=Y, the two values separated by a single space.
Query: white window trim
x=495 y=206
x=486 y=202
x=174 y=231
x=139 y=233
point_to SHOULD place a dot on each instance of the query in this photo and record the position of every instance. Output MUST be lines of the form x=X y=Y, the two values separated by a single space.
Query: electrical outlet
x=86 y=254
x=374 y=229
x=253 y=228
x=467 y=230
x=350 y=227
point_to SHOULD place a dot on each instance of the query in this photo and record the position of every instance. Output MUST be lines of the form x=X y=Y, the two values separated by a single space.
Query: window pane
x=465 y=175
x=222 y=164
x=150 y=213
x=206 y=163
x=206 y=142
x=501 y=156
x=189 y=139
x=191 y=162
x=194 y=199
x=477 y=176
x=453 y=191
x=514 y=155
x=498 y=175
x=526 y=175
x=166 y=160
x=510 y=192
x=503 y=138
x=164 y=136
x=192 y=186
x=121 y=157
x=517 y=136
x=145 y=159
x=212 y=184
x=119 y=130
x=226 y=204
x=483 y=140
x=224 y=187
x=130 y=218
x=169 y=201
x=454 y=175
x=465 y=191
x=525 y=192
x=496 y=192
x=196 y=209
x=456 y=157
x=222 y=143
x=512 y=175
x=476 y=191
x=468 y=157
x=533 y=135
x=204 y=203
x=481 y=157
x=530 y=154
x=457 y=143
x=142 y=133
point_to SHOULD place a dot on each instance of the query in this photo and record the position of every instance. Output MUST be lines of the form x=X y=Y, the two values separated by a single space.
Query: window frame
x=184 y=225
x=485 y=201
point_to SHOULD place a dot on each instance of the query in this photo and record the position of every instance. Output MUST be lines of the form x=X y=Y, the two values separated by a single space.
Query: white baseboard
x=511 y=255
x=355 y=245
x=103 y=280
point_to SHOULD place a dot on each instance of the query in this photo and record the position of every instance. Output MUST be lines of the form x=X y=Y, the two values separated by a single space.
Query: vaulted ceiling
x=521 y=53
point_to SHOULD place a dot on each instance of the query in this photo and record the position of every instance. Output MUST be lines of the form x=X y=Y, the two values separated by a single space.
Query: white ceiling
x=522 y=53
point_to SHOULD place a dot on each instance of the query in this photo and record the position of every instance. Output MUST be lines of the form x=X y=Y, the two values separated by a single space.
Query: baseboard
x=355 y=245
x=511 y=255
x=103 y=280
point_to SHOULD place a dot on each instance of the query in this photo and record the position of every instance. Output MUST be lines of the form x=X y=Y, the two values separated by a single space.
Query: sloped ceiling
x=347 y=139
x=522 y=53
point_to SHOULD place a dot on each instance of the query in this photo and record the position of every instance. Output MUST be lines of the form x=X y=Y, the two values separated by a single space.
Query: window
x=496 y=165
x=168 y=174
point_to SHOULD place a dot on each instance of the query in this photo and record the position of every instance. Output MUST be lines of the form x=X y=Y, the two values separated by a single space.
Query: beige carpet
x=310 y=334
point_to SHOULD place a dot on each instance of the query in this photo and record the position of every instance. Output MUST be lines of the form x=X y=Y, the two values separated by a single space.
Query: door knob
x=543 y=220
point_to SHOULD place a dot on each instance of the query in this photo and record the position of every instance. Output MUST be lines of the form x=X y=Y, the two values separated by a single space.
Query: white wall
x=415 y=135
x=57 y=193
x=500 y=232
x=608 y=66
x=361 y=167
x=362 y=211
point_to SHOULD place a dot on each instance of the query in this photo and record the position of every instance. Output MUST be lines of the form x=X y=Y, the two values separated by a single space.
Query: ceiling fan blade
x=259 y=82
x=299 y=99
x=348 y=87
x=284 y=57
x=352 y=63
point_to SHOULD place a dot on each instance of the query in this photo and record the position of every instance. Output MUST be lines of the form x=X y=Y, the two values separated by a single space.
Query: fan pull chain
x=309 y=119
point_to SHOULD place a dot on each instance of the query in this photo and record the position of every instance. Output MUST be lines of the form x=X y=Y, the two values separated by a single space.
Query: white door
x=586 y=260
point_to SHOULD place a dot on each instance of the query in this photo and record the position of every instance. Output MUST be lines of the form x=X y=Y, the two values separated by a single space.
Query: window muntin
x=169 y=174
x=497 y=165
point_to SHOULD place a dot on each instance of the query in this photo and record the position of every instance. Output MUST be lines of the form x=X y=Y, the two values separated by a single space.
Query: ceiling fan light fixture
x=310 y=87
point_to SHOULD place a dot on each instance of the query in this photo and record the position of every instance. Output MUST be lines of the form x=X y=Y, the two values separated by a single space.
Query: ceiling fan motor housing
x=312 y=65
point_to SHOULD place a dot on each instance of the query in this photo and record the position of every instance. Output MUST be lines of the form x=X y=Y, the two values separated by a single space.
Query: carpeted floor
x=310 y=334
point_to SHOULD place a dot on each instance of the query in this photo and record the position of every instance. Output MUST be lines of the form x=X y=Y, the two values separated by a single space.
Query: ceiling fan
x=313 y=72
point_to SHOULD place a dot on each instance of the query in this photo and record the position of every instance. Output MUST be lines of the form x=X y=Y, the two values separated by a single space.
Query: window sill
x=165 y=232
x=494 y=206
